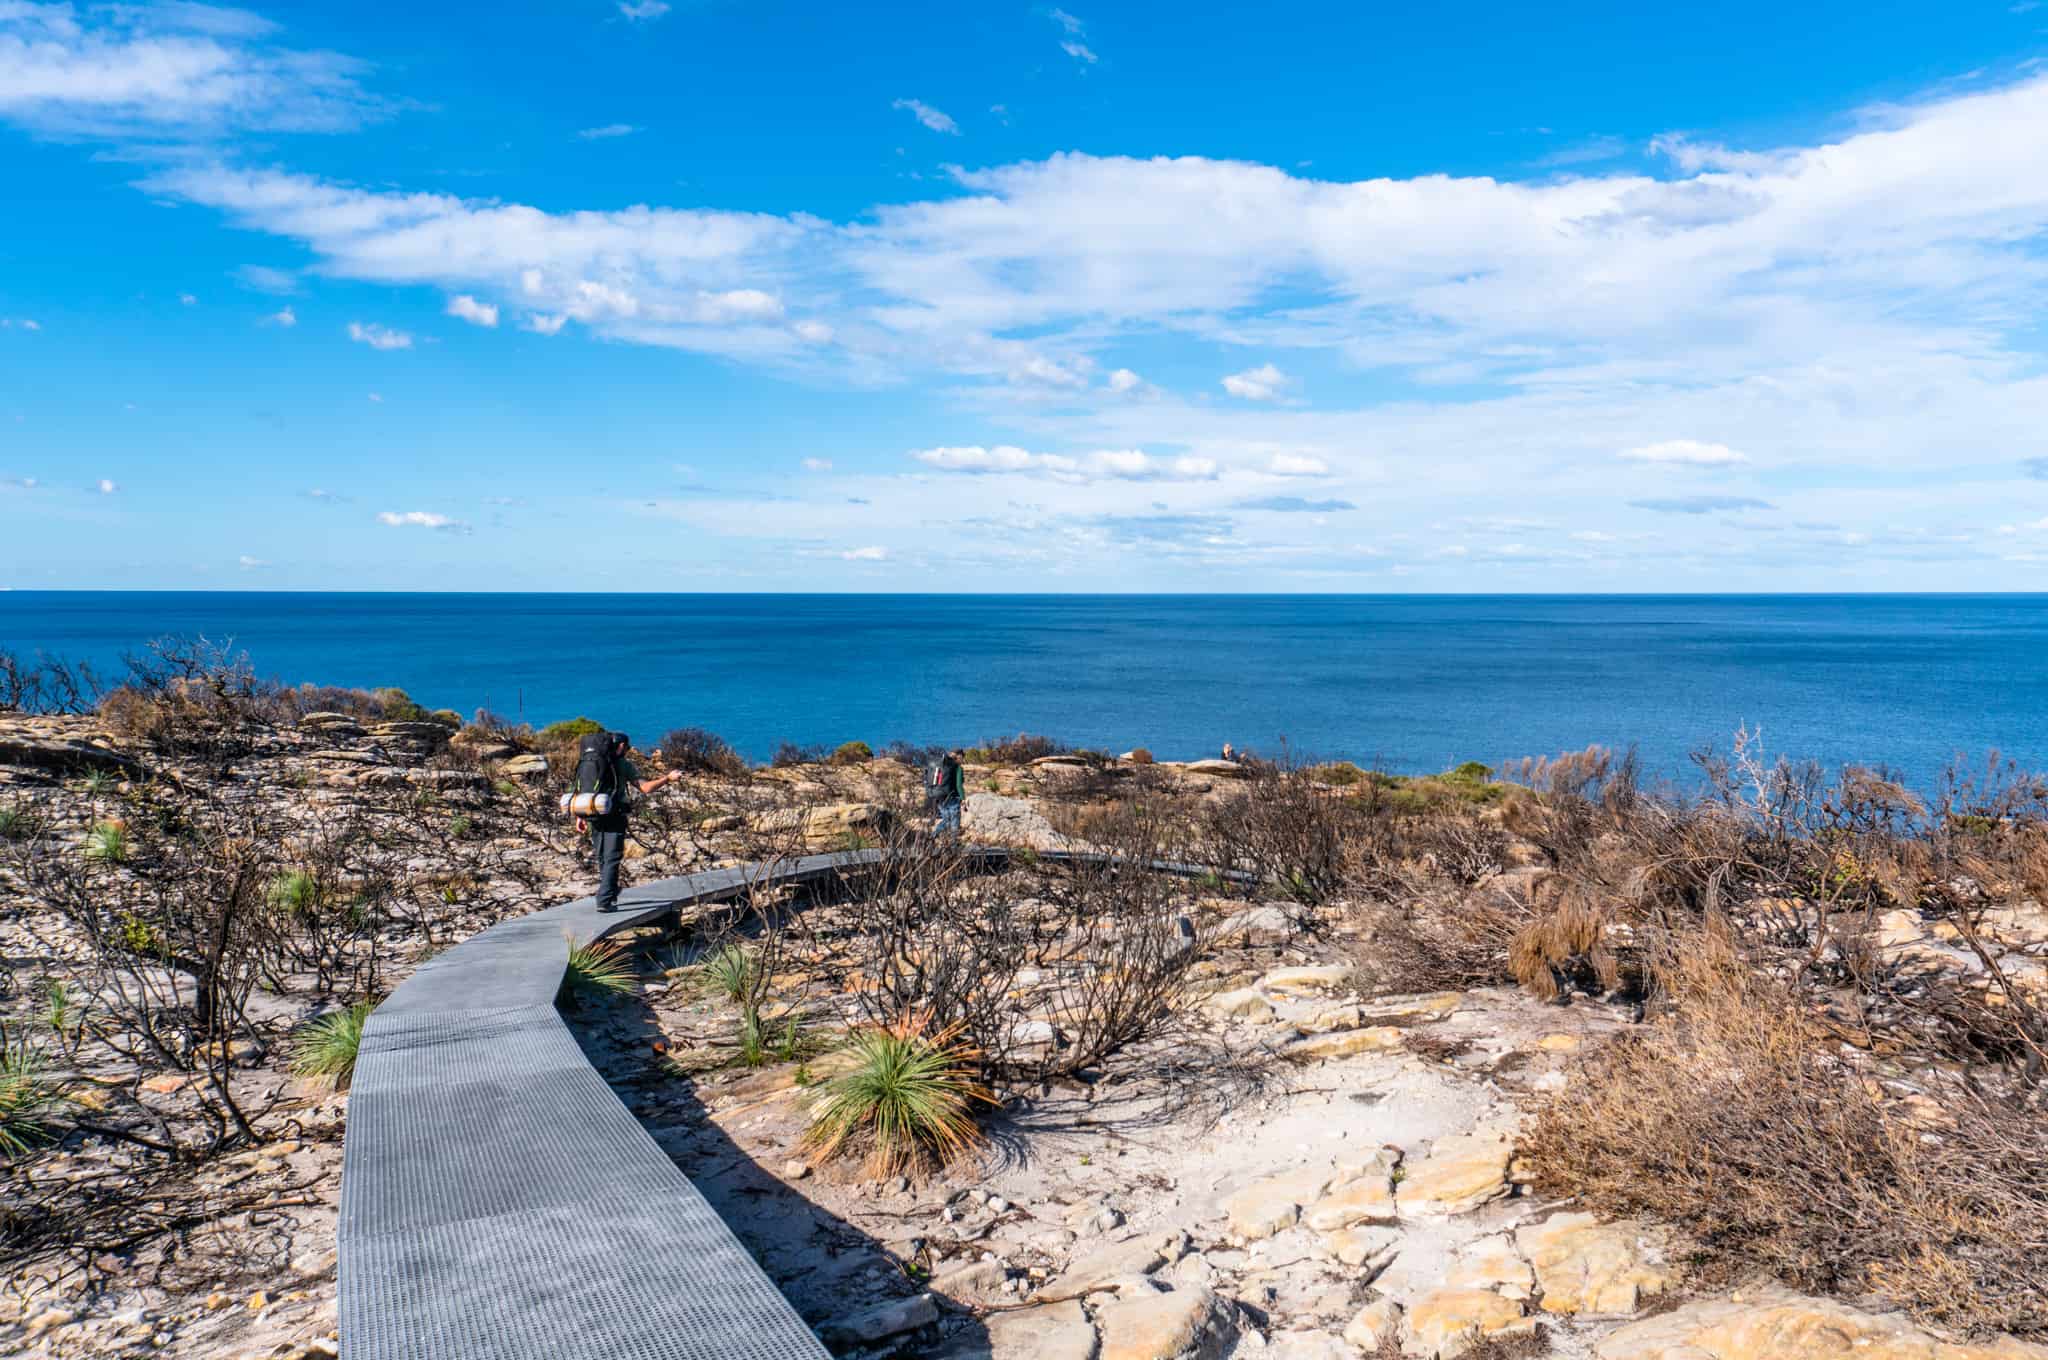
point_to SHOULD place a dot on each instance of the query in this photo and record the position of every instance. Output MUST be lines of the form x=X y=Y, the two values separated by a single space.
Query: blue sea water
x=1411 y=683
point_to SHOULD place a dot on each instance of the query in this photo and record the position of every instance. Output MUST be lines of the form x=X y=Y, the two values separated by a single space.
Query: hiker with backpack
x=949 y=791
x=605 y=785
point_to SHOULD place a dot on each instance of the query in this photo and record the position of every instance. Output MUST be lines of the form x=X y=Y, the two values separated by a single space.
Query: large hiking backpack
x=599 y=789
x=935 y=782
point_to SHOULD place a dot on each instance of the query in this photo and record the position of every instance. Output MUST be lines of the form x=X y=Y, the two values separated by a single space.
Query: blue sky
x=721 y=296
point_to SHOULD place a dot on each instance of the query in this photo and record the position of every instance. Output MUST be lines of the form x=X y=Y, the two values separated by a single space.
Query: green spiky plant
x=107 y=843
x=596 y=969
x=97 y=784
x=294 y=893
x=16 y=824
x=29 y=1099
x=328 y=1046
x=729 y=972
x=908 y=1099
x=753 y=1044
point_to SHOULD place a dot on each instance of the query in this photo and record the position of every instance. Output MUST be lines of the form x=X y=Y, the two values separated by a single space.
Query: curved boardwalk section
x=499 y=1201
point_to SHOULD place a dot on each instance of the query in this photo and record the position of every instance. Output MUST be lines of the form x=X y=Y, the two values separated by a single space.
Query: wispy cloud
x=932 y=118
x=1075 y=30
x=870 y=554
x=1685 y=452
x=1293 y=505
x=817 y=465
x=140 y=70
x=609 y=130
x=265 y=279
x=378 y=337
x=642 y=11
x=421 y=519
x=10 y=323
x=283 y=316
x=467 y=308
x=248 y=563
x=106 y=486
x=1701 y=505
x=1130 y=465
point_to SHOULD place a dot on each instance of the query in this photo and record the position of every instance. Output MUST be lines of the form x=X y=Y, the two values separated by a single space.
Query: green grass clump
x=29 y=1100
x=137 y=935
x=570 y=729
x=729 y=972
x=597 y=969
x=753 y=1045
x=328 y=1046
x=447 y=717
x=852 y=753
x=294 y=893
x=107 y=843
x=98 y=784
x=16 y=824
x=908 y=1099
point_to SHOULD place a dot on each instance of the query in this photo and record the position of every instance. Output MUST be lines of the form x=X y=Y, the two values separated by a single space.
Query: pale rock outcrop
x=997 y=820
x=1187 y=1324
x=1345 y=1043
x=1446 y=1322
x=1585 y=1266
x=1492 y=1263
x=1274 y=1204
x=1774 y=1323
x=1374 y=1323
x=1461 y=1172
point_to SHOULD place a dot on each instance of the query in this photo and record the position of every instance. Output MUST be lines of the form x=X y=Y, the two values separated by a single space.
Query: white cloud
x=640 y=11
x=1067 y=21
x=813 y=332
x=378 y=337
x=817 y=465
x=19 y=483
x=123 y=70
x=377 y=398
x=1297 y=465
x=7 y=323
x=1131 y=465
x=541 y=323
x=873 y=554
x=1124 y=381
x=248 y=563
x=188 y=299
x=1044 y=372
x=421 y=519
x=107 y=487
x=283 y=316
x=469 y=309
x=1263 y=383
x=1079 y=51
x=929 y=116
x=608 y=131
x=1687 y=452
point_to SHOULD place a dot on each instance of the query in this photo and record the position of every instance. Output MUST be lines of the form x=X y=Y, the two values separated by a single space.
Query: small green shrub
x=98 y=784
x=137 y=935
x=295 y=893
x=852 y=753
x=908 y=1099
x=570 y=729
x=107 y=843
x=597 y=969
x=1339 y=774
x=29 y=1099
x=16 y=824
x=729 y=972
x=397 y=706
x=461 y=827
x=447 y=717
x=328 y=1046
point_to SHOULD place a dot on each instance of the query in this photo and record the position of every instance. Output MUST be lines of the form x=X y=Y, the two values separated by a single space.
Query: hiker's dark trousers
x=610 y=846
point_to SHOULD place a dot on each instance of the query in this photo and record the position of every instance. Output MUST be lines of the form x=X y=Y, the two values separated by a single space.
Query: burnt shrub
x=701 y=751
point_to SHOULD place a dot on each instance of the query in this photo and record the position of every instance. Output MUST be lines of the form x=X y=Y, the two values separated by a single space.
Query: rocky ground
x=1335 y=1177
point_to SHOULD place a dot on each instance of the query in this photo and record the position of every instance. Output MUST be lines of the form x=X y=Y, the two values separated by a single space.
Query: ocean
x=1407 y=683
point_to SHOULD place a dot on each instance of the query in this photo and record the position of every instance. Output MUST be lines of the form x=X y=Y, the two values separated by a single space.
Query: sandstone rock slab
x=1187 y=1324
x=1461 y=1172
x=1446 y=1322
x=1774 y=1323
x=1585 y=1266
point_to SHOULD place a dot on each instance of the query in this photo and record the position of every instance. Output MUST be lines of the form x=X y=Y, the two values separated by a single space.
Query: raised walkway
x=498 y=1200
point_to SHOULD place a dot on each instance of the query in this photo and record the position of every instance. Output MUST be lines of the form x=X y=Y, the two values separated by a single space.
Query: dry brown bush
x=1736 y=1116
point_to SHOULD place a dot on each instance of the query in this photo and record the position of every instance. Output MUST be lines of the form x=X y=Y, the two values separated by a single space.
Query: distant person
x=605 y=784
x=949 y=791
x=1229 y=752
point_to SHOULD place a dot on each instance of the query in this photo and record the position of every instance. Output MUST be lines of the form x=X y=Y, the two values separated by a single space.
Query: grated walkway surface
x=499 y=1202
